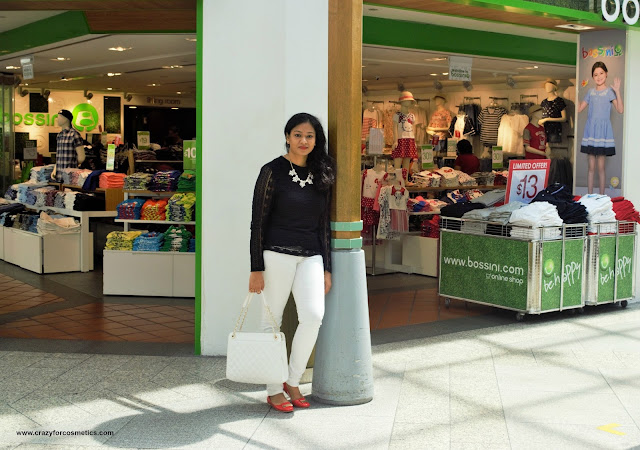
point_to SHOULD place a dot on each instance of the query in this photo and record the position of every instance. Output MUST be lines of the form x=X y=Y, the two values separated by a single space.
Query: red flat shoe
x=299 y=402
x=285 y=407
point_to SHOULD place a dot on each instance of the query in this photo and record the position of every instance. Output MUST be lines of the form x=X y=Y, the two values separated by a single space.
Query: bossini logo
x=85 y=117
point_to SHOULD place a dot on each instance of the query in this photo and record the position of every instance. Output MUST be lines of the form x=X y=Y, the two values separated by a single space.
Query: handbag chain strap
x=245 y=310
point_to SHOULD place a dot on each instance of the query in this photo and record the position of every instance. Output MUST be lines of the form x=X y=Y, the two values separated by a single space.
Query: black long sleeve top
x=287 y=218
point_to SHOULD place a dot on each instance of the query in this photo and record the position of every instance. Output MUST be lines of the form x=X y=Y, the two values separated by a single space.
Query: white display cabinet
x=42 y=253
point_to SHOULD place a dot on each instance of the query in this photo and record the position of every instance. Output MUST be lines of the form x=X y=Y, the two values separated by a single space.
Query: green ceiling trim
x=529 y=8
x=198 y=302
x=396 y=33
x=68 y=25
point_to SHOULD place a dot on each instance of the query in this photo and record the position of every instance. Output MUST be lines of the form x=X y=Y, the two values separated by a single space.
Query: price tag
x=452 y=147
x=526 y=179
x=144 y=140
x=111 y=156
x=189 y=155
x=496 y=157
x=426 y=154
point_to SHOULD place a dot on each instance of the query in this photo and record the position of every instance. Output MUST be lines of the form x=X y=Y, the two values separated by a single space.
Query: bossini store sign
x=85 y=118
x=630 y=10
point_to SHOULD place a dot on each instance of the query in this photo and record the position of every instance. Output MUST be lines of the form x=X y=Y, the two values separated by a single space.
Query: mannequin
x=535 y=138
x=70 y=148
x=404 y=146
x=554 y=112
x=440 y=121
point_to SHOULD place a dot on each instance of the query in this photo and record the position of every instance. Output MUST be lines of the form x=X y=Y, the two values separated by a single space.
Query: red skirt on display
x=406 y=148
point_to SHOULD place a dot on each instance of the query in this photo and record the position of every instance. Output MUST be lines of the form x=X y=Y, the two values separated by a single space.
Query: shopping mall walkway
x=554 y=381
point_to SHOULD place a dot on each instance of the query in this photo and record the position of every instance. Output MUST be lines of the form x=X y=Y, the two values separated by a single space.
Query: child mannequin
x=70 y=148
x=535 y=138
x=598 y=140
x=404 y=147
x=554 y=112
x=440 y=120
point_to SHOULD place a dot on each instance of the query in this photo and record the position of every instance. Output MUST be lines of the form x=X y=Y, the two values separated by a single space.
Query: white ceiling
x=90 y=60
x=14 y=19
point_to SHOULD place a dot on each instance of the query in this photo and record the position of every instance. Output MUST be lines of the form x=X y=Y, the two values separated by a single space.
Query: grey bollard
x=343 y=370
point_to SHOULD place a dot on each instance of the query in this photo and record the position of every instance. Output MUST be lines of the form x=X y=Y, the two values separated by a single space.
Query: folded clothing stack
x=12 y=192
x=176 y=239
x=26 y=221
x=560 y=195
x=466 y=180
x=138 y=181
x=41 y=174
x=41 y=195
x=502 y=214
x=187 y=181
x=455 y=196
x=88 y=202
x=421 y=204
x=473 y=227
x=180 y=207
x=66 y=174
x=449 y=176
x=79 y=177
x=51 y=197
x=538 y=220
x=431 y=227
x=624 y=209
x=121 y=240
x=130 y=209
x=70 y=199
x=25 y=193
x=491 y=198
x=58 y=201
x=111 y=180
x=154 y=210
x=146 y=155
x=426 y=178
x=148 y=242
x=192 y=245
x=57 y=224
x=601 y=216
x=166 y=181
x=11 y=208
x=458 y=210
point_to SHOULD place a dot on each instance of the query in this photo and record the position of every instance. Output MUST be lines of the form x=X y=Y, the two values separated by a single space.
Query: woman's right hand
x=256 y=282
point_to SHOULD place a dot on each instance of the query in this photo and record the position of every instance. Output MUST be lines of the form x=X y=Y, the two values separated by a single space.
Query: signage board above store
x=460 y=68
x=27 y=67
x=624 y=6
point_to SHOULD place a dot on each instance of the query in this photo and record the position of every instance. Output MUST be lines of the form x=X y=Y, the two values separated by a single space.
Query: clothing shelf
x=161 y=222
x=417 y=190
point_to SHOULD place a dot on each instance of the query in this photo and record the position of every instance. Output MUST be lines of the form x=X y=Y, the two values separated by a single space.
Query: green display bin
x=611 y=251
x=525 y=269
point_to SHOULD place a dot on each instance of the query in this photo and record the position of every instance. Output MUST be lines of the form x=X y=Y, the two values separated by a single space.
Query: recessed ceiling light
x=433 y=74
x=175 y=108
x=12 y=67
x=109 y=89
x=365 y=80
x=172 y=67
x=60 y=58
x=435 y=59
x=535 y=67
x=574 y=27
x=153 y=84
x=132 y=107
x=191 y=39
x=179 y=92
x=120 y=49
x=113 y=74
x=26 y=84
x=445 y=73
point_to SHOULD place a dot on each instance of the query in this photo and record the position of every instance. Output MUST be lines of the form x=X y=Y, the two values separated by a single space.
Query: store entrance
x=115 y=260
x=414 y=117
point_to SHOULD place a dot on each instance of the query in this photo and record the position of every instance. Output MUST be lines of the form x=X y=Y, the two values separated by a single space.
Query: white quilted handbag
x=257 y=358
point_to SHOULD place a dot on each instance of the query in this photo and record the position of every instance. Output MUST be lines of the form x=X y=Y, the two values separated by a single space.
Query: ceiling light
x=172 y=67
x=433 y=74
x=445 y=73
x=175 y=108
x=365 y=80
x=190 y=39
x=109 y=89
x=133 y=107
x=535 y=67
x=153 y=85
x=574 y=27
x=120 y=49
x=60 y=58
x=50 y=99
x=114 y=74
x=12 y=67
x=179 y=92
x=26 y=84
x=435 y=59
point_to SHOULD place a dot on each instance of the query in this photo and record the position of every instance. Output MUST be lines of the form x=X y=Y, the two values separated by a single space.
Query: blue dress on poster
x=598 y=133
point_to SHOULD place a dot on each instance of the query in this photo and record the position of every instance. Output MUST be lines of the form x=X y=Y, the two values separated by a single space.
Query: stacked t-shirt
x=176 y=239
x=112 y=180
x=138 y=181
x=165 y=181
x=154 y=210
x=41 y=195
x=148 y=242
x=601 y=217
x=88 y=202
x=192 y=245
x=121 y=240
x=180 y=207
x=187 y=181
x=560 y=195
x=624 y=209
x=528 y=221
x=130 y=209
x=57 y=224
x=41 y=174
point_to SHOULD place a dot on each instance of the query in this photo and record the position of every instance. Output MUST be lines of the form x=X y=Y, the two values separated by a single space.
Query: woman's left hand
x=327 y=282
x=616 y=84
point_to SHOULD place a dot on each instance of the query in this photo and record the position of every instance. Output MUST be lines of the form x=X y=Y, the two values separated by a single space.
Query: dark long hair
x=320 y=164
x=599 y=64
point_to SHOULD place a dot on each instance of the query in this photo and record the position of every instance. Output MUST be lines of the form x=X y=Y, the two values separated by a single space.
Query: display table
x=86 y=238
x=41 y=253
x=158 y=274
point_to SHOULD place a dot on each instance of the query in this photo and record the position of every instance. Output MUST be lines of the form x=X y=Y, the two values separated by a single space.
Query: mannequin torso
x=69 y=151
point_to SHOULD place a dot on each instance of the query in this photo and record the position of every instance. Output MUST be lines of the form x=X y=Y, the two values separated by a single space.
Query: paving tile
x=425 y=397
x=552 y=379
x=420 y=436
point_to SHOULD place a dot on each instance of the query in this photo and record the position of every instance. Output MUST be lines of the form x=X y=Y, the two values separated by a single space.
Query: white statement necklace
x=296 y=179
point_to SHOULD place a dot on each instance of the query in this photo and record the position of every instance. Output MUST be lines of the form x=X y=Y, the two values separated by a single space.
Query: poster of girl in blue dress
x=600 y=109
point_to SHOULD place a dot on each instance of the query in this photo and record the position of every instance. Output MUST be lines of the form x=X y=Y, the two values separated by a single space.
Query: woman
x=598 y=141
x=466 y=161
x=291 y=243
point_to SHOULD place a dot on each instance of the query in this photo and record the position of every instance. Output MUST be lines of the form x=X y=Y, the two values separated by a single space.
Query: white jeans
x=304 y=276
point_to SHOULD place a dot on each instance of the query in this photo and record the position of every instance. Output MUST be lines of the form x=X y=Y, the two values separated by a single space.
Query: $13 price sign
x=526 y=179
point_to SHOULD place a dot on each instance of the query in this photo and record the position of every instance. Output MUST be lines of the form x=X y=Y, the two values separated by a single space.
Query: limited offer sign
x=526 y=179
x=460 y=68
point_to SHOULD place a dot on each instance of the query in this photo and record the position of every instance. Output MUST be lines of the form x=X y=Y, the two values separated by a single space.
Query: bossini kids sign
x=85 y=118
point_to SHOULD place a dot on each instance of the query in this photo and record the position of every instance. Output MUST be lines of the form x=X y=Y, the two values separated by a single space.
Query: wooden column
x=345 y=100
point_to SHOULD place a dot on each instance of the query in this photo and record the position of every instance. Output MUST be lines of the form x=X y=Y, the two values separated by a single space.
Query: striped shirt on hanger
x=490 y=118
